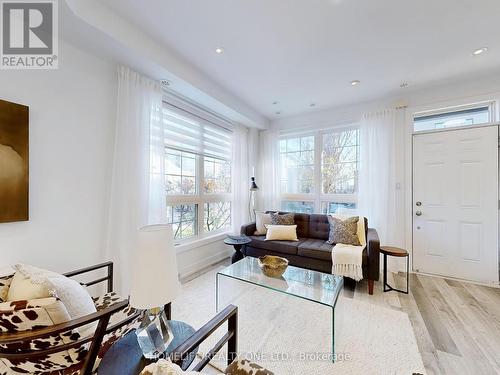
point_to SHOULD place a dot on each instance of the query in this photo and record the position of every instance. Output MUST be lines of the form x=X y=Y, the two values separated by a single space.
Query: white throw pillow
x=33 y=283
x=261 y=220
x=29 y=283
x=281 y=232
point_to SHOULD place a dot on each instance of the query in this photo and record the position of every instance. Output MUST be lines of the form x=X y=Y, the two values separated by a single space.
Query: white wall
x=72 y=121
x=72 y=117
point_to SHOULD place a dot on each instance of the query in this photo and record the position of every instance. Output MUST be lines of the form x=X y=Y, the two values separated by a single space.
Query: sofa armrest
x=373 y=249
x=248 y=229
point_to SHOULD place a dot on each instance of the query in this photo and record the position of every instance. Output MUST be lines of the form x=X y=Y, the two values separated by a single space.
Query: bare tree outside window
x=339 y=162
x=217 y=216
x=334 y=168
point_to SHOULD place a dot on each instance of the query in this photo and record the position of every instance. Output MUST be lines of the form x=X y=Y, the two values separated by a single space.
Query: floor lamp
x=253 y=189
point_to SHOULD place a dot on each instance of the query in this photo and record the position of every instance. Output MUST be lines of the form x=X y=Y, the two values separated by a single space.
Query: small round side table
x=400 y=253
x=125 y=356
x=237 y=243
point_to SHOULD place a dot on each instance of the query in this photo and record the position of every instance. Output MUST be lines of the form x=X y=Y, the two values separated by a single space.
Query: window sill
x=186 y=246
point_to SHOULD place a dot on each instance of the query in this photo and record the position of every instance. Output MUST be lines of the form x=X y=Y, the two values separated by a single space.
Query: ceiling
x=300 y=52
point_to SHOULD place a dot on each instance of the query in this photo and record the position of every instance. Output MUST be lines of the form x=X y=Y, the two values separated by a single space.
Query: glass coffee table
x=244 y=277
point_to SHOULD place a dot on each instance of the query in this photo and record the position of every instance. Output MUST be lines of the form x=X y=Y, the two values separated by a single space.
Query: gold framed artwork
x=14 y=162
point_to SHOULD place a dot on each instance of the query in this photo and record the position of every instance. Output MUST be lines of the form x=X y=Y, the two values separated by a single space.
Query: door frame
x=411 y=111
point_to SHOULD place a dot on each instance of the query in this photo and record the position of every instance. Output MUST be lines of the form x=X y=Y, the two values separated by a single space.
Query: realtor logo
x=29 y=34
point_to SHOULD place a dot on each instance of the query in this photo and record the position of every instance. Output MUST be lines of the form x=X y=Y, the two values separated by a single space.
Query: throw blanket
x=348 y=261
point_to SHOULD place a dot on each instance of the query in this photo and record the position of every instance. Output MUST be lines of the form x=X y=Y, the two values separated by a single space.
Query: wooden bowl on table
x=273 y=266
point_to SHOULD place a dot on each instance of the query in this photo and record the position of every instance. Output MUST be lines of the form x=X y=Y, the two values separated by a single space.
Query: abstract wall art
x=14 y=162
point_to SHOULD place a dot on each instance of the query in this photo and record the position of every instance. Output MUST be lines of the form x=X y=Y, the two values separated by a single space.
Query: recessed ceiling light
x=404 y=85
x=219 y=50
x=355 y=82
x=480 y=51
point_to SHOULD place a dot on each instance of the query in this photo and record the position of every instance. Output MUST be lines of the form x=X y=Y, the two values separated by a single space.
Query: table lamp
x=155 y=283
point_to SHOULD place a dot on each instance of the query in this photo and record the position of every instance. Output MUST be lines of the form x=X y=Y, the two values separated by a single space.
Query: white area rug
x=288 y=335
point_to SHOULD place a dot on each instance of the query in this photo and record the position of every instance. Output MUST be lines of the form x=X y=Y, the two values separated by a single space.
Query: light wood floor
x=456 y=324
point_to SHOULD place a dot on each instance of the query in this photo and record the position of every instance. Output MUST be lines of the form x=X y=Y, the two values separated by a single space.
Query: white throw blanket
x=348 y=261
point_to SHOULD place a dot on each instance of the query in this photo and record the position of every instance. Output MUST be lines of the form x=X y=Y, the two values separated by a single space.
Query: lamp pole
x=251 y=206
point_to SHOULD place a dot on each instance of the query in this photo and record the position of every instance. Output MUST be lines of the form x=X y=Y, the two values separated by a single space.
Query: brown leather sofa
x=312 y=251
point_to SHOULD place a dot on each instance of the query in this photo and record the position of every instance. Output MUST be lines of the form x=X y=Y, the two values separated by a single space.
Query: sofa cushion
x=302 y=221
x=319 y=227
x=284 y=247
x=314 y=248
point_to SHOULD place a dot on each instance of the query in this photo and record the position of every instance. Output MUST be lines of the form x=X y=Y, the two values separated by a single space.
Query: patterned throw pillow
x=343 y=231
x=284 y=219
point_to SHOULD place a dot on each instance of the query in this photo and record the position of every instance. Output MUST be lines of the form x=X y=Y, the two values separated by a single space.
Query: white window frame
x=200 y=198
x=492 y=109
x=318 y=197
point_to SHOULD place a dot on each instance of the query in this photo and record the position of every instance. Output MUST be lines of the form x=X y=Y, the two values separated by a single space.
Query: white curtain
x=135 y=192
x=268 y=171
x=240 y=178
x=380 y=176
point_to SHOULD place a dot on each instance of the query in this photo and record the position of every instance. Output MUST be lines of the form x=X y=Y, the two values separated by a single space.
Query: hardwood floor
x=456 y=324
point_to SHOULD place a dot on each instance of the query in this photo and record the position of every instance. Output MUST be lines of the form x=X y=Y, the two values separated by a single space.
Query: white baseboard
x=205 y=262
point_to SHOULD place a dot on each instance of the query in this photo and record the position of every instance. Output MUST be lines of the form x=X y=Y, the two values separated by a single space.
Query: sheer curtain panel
x=137 y=196
x=380 y=176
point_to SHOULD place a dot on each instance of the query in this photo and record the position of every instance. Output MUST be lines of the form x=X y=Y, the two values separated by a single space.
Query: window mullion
x=318 y=148
x=201 y=193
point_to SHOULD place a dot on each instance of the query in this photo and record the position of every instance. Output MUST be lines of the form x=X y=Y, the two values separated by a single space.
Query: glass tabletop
x=314 y=286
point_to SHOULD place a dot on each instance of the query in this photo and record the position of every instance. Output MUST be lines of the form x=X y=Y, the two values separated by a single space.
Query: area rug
x=289 y=335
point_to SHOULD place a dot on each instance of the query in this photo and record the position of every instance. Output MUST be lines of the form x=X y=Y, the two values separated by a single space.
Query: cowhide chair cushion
x=245 y=367
x=24 y=315
x=18 y=316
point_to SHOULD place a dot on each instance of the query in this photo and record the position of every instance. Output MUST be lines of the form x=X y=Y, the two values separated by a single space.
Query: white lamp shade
x=155 y=280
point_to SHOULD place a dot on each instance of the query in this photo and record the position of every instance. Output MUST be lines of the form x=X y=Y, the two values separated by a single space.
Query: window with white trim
x=198 y=174
x=454 y=117
x=319 y=171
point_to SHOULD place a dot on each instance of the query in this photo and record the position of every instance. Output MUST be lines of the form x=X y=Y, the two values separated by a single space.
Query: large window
x=198 y=174
x=319 y=172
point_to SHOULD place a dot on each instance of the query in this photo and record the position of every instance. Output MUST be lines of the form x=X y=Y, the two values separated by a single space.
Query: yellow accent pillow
x=281 y=232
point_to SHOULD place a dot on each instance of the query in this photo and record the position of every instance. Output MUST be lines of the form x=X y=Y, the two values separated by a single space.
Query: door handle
x=418 y=213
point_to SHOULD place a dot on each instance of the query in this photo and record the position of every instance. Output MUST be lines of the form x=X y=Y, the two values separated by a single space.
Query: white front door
x=455 y=203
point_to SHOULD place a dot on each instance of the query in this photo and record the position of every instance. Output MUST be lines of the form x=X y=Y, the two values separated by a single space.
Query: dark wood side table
x=237 y=243
x=125 y=356
x=395 y=252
